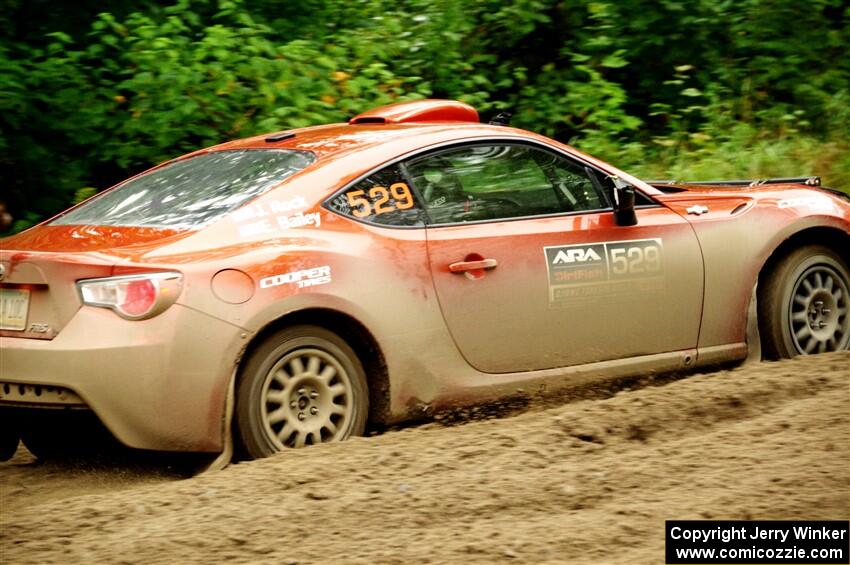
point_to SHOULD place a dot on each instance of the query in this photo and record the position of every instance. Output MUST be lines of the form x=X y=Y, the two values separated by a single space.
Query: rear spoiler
x=810 y=181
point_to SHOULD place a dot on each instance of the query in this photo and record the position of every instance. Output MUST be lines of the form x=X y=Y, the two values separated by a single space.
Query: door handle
x=464 y=266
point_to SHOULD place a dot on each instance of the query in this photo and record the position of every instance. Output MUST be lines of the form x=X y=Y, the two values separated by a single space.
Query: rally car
x=293 y=288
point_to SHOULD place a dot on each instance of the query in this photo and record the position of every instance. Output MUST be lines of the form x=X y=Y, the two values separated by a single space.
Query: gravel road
x=586 y=482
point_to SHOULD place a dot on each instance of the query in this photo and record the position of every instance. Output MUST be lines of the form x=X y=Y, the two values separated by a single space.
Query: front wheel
x=302 y=386
x=804 y=304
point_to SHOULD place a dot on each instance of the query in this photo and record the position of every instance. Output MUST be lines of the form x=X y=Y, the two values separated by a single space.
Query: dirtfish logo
x=576 y=255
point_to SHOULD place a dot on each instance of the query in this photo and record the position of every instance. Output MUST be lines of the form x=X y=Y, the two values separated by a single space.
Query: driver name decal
x=605 y=269
x=269 y=217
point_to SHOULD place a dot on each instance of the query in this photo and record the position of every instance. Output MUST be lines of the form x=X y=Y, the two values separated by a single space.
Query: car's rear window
x=190 y=192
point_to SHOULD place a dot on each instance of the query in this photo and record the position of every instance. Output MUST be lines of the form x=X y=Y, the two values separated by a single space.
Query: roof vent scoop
x=418 y=111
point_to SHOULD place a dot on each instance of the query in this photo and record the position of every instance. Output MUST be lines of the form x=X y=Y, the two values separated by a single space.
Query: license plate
x=14 y=305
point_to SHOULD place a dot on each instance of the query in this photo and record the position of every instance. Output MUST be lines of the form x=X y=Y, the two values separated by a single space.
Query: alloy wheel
x=306 y=399
x=818 y=313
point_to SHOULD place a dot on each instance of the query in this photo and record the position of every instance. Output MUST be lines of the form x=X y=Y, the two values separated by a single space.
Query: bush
x=707 y=88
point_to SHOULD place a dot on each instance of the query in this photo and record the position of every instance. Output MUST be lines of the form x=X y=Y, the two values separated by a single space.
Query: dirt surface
x=587 y=482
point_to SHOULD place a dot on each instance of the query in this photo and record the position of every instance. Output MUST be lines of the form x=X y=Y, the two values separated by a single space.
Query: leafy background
x=662 y=88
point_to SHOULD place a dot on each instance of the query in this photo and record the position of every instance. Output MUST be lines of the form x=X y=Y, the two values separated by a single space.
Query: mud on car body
x=410 y=260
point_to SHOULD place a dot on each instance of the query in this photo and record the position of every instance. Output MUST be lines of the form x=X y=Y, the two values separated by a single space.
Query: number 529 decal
x=601 y=269
x=635 y=259
x=380 y=200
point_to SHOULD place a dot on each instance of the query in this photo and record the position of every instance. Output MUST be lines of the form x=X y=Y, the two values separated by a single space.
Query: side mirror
x=624 y=203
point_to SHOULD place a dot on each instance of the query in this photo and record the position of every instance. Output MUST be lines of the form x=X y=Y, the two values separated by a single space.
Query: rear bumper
x=155 y=384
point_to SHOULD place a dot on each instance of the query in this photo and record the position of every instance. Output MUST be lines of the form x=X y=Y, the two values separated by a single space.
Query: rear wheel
x=805 y=304
x=302 y=386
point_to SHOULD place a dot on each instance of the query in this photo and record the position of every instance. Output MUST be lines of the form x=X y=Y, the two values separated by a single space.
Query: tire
x=804 y=304
x=302 y=386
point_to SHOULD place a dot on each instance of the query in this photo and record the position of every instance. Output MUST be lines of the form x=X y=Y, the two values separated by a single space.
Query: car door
x=532 y=272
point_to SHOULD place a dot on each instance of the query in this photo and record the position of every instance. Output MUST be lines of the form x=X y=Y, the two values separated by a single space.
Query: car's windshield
x=190 y=192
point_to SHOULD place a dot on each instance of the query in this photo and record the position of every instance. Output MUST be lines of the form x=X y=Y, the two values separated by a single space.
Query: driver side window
x=500 y=181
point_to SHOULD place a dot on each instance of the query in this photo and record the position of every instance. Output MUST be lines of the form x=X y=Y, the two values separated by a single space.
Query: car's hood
x=683 y=191
x=674 y=190
x=709 y=201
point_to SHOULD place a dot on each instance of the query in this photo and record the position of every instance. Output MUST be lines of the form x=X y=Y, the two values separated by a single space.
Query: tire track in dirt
x=587 y=482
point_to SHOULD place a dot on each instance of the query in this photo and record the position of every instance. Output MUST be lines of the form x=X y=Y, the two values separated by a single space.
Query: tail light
x=134 y=297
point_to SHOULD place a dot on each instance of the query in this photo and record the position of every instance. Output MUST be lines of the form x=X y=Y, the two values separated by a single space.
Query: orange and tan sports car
x=294 y=287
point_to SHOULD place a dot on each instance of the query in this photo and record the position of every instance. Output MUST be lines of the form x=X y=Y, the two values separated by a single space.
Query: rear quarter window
x=190 y=192
x=383 y=198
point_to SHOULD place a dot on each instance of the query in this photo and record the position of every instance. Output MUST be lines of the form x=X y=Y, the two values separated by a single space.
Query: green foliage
x=666 y=87
x=83 y=194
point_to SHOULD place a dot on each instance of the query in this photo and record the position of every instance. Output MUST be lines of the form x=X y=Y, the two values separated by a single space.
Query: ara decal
x=604 y=269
